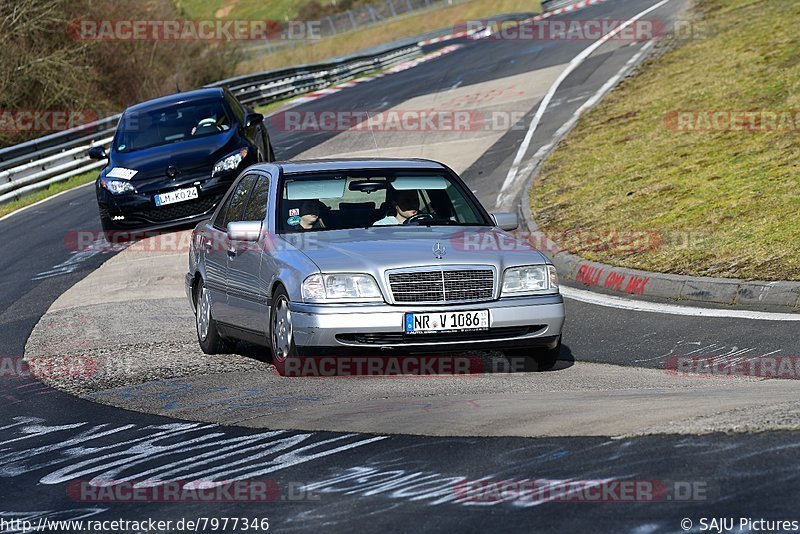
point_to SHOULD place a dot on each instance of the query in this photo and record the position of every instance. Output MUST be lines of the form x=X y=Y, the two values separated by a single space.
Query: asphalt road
x=49 y=440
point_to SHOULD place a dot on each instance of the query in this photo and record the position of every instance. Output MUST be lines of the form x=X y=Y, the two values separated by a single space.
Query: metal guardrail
x=38 y=163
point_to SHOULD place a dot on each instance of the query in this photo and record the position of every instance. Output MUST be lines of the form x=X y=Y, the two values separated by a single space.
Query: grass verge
x=244 y=9
x=350 y=42
x=723 y=202
x=54 y=189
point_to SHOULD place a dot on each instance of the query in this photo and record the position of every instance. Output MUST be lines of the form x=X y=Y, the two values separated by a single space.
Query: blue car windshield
x=171 y=124
x=363 y=199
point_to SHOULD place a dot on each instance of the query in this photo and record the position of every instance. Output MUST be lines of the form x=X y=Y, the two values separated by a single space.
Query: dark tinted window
x=236 y=108
x=238 y=200
x=257 y=206
x=219 y=216
x=366 y=198
x=171 y=124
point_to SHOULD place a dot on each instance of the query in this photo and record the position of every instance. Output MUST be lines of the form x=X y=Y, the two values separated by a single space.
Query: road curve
x=612 y=356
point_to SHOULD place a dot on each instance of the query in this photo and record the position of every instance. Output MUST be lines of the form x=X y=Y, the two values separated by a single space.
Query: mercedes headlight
x=530 y=279
x=117 y=187
x=340 y=287
x=230 y=162
x=553 y=275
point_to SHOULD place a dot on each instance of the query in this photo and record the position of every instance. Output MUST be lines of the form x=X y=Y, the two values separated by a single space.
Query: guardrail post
x=352 y=19
x=372 y=14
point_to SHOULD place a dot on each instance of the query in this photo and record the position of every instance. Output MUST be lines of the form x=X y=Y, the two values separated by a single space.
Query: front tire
x=536 y=358
x=115 y=236
x=111 y=234
x=207 y=334
x=281 y=334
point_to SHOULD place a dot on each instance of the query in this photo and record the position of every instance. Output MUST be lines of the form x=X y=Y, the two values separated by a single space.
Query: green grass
x=243 y=9
x=56 y=188
x=346 y=43
x=403 y=27
x=725 y=203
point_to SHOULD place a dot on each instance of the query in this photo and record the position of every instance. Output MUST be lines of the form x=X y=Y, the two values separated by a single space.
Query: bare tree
x=44 y=66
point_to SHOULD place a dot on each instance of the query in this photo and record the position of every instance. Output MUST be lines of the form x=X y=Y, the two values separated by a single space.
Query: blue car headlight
x=116 y=186
x=230 y=162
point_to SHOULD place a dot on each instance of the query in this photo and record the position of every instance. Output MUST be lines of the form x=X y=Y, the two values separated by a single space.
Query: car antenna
x=177 y=87
x=375 y=141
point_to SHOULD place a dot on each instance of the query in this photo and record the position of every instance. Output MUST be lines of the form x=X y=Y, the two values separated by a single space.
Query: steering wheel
x=206 y=124
x=418 y=217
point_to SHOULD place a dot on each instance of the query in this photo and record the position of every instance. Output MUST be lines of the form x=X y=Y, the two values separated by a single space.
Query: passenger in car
x=406 y=205
x=310 y=215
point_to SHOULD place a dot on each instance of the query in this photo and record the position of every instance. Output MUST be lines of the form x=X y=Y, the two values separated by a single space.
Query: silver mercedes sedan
x=384 y=256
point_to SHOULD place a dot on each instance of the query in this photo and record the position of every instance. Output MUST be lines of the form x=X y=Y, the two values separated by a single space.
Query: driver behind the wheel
x=209 y=120
x=406 y=205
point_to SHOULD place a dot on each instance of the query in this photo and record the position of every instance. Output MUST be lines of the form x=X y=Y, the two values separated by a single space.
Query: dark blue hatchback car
x=173 y=159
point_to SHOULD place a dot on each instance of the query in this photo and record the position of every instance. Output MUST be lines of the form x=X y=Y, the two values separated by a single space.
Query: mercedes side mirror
x=506 y=220
x=244 y=230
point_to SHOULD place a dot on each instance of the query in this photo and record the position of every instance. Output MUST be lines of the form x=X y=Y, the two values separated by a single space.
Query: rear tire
x=536 y=358
x=211 y=342
x=281 y=334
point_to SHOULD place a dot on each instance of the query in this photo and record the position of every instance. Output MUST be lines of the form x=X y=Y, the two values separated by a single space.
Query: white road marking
x=595 y=98
x=706 y=350
x=76 y=259
x=610 y=301
x=512 y=175
x=190 y=452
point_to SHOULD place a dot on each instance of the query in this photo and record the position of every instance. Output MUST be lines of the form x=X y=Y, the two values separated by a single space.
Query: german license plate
x=179 y=195
x=456 y=321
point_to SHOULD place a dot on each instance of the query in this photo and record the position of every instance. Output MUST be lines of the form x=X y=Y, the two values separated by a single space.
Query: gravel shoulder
x=138 y=334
